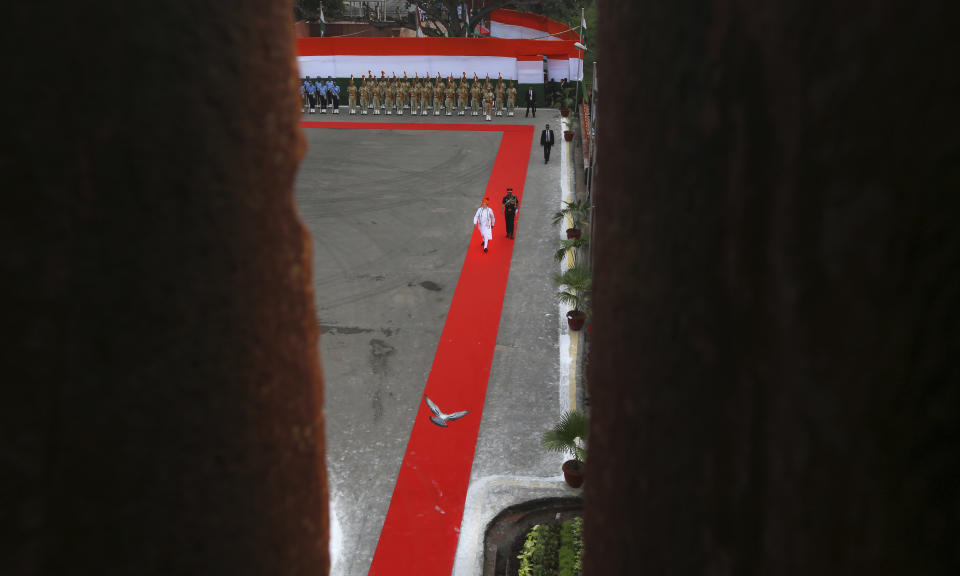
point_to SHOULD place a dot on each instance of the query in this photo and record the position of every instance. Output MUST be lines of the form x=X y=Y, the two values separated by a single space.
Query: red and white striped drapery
x=513 y=59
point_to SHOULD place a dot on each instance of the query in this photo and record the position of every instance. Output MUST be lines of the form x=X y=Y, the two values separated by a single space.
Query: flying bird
x=440 y=419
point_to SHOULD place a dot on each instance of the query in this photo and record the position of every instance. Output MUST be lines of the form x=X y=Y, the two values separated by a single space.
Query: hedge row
x=553 y=549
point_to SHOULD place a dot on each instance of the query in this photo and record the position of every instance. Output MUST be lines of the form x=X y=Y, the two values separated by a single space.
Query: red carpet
x=422 y=526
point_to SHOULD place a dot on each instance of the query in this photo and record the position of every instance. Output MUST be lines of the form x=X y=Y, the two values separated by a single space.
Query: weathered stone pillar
x=165 y=400
x=774 y=376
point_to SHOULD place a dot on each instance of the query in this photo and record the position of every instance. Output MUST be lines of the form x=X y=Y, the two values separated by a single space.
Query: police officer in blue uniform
x=311 y=91
x=328 y=90
x=322 y=95
x=335 y=94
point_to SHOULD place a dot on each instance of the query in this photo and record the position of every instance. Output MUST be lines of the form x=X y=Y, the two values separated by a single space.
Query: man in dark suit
x=531 y=102
x=546 y=140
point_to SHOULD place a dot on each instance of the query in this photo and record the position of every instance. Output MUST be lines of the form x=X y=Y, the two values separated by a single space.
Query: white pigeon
x=441 y=419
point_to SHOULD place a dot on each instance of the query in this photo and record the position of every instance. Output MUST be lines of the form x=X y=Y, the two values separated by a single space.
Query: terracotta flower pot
x=573 y=233
x=573 y=473
x=564 y=112
x=575 y=319
x=568 y=135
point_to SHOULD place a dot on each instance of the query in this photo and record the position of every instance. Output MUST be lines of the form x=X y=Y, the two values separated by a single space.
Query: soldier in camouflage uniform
x=426 y=96
x=388 y=97
x=511 y=98
x=437 y=96
x=475 y=96
x=487 y=101
x=352 y=96
x=448 y=97
x=415 y=97
x=499 y=97
x=462 y=96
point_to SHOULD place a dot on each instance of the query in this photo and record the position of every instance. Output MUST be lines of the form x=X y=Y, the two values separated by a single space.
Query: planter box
x=564 y=112
x=568 y=135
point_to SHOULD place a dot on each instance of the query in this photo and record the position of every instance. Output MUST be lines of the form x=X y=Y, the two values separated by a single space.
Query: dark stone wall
x=162 y=397
x=774 y=376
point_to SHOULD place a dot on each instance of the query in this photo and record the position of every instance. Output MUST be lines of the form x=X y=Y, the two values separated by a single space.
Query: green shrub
x=571 y=548
x=539 y=554
x=553 y=549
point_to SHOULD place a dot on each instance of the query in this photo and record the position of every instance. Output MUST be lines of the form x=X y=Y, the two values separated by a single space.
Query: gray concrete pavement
x=390 y=213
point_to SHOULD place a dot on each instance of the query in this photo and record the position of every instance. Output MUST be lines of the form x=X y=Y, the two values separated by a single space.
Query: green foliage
x=578 y=211
x=553 y=549
x=569 y=435
x=565 y=11
x=570 y=555
x=539 y=554
x=442 y=19
x=309 y=10
x=578 y=281
x=568 y=245
x=567 y=98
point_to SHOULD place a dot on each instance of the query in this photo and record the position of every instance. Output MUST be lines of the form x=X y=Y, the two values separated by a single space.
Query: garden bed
x=506 y=534
x=554 y=548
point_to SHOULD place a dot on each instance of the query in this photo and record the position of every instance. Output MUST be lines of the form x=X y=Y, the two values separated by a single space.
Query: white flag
x=419 y=27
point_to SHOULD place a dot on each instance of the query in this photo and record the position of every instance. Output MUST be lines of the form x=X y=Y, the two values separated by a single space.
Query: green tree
x=569 y=435
x=442 y=18
x=309 y=10
x=578 y=283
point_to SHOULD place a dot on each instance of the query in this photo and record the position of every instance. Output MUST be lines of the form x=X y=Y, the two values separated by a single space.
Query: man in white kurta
x=484 y=220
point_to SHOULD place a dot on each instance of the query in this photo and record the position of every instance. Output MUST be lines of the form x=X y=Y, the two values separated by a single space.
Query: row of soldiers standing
x=394 y=95
x=318 y=91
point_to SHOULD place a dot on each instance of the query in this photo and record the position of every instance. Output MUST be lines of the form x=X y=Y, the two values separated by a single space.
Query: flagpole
x=576 y=100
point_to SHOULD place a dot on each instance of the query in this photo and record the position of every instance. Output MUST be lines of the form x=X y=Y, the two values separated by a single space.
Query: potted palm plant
x=571 y=126
x=566 y=101
x=569 y=436
x=571 y=245
x=575 y=285
x=578 y=211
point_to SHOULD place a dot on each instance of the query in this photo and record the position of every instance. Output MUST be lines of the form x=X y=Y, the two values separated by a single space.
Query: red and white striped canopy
x=513 y=59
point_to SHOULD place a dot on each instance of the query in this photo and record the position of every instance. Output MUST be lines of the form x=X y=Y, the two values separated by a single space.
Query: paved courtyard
x=390 y=213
